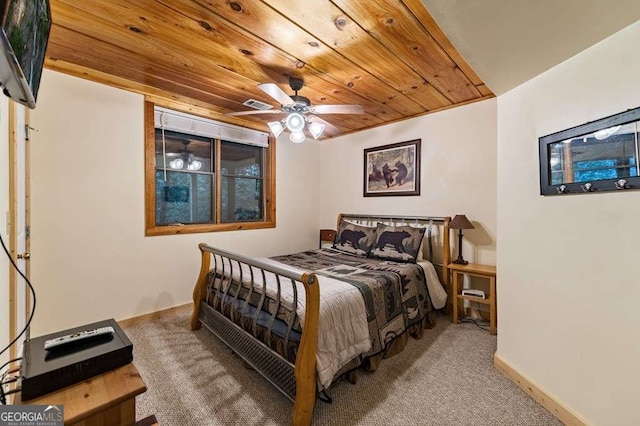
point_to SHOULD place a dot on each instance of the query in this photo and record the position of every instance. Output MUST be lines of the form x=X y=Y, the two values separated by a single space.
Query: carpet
x=447 y=378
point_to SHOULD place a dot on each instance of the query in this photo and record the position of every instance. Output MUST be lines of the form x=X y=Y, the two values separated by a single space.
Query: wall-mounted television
x=24 y=34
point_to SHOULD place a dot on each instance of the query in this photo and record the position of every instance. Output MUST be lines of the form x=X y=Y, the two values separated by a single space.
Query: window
x=204 y=176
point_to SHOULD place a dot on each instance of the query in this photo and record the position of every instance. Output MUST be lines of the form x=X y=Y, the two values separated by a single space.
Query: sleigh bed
x=303 y=320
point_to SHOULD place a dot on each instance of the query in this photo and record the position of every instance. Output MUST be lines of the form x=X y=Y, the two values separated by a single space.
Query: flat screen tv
x=23 y=41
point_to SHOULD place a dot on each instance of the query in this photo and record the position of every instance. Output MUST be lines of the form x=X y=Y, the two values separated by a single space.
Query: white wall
x=4 y=212
x=458 y=173
x=568 y=269
x=90 y=258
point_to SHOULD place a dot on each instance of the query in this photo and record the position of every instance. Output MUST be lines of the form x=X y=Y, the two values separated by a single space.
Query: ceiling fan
x=299 y=111
x=184 y=159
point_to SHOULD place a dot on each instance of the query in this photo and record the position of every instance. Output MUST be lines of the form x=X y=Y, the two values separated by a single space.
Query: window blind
x=194 y=125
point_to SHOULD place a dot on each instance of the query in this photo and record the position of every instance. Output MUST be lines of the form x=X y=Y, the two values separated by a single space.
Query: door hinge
x=27 y=232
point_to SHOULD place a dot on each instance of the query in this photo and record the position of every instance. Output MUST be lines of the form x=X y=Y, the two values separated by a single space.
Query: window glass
x=241 y=199
x=183 y=198
x=184 y=179
x=241 y=189
x=241 y=160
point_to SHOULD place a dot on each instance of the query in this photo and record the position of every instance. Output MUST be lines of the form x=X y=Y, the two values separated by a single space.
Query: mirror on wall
x=598 y=156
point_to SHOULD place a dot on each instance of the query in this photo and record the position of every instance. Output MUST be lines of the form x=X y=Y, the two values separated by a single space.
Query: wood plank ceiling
x=208 y=56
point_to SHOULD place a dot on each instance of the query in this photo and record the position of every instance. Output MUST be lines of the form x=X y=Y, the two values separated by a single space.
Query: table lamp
x=460 y=222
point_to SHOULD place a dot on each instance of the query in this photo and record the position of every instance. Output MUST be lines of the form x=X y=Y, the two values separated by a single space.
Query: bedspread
x=395 y=294
x=364 y=303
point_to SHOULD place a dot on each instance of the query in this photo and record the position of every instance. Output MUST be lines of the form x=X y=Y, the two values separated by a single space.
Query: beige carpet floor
x=447 y=378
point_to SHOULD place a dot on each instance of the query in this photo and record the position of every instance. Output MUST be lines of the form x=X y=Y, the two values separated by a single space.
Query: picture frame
x=392 y=170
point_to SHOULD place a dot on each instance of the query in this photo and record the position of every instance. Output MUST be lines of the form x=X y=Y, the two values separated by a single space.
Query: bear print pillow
x=398 y=243
x=354 y=239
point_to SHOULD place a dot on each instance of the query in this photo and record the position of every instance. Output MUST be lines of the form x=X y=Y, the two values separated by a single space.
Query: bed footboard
x=297 y=381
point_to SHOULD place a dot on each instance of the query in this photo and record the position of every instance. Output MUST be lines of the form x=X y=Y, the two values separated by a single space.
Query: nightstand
x=327 y=236
x=474 y=270
x=107 y=399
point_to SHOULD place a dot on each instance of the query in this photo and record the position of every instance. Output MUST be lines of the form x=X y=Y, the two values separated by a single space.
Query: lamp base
x=460 y=260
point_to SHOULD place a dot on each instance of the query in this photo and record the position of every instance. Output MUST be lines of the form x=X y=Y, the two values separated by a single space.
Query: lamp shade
x=296 y=137
x=460 y=221
x=276 y=128
x=605 y=133
x=295 y=122
x=176 y=163
x=194 y=165
x=316 y=129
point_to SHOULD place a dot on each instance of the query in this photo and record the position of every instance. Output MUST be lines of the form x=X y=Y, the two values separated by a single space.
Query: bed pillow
x=421 y=249
x=354 y=239
x=398 y=243
x=424 y=244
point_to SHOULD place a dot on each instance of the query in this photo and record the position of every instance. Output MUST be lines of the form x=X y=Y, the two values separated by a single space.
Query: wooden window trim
x=150 y=189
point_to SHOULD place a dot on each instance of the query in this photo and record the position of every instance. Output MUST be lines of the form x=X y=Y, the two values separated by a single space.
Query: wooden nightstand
x=107 y=399
x=474 y=270
x=327 y=236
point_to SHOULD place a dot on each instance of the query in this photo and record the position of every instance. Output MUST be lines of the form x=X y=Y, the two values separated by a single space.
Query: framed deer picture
x=392 y=169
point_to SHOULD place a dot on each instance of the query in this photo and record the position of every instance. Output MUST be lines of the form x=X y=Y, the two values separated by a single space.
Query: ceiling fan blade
x=337 y=109
x=276 y=93
x=328 y=127
x=268 y=111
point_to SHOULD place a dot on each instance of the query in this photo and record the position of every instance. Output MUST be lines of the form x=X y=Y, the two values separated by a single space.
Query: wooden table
x=474 y=270
x=107 y=399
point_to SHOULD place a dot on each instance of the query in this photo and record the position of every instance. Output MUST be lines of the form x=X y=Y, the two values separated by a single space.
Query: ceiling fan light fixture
x=296 y=106
x=297 y=137
x=295 y=122
x=605 y=133
x=276 y=128
x=316 y=129
x=176 y=164
x=194 y=165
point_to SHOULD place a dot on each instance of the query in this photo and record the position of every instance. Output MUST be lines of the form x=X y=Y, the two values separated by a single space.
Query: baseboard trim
x=129 y=322
x=549 y=402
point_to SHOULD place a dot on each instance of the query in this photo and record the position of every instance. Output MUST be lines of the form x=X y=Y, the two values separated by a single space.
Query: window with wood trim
x=205 y=176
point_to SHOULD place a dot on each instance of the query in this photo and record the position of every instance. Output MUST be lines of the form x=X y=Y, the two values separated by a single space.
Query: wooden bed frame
x=297 y=382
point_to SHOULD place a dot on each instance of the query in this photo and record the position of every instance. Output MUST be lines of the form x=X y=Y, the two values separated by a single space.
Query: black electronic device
x=24 y=33
x=45 y=371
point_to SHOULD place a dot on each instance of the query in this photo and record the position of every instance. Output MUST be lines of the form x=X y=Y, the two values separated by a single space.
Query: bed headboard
x=436 y=246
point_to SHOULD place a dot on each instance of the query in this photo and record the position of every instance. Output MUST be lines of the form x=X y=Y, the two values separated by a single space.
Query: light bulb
x=316 y=129
x=296 y=137
x=295 y=122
